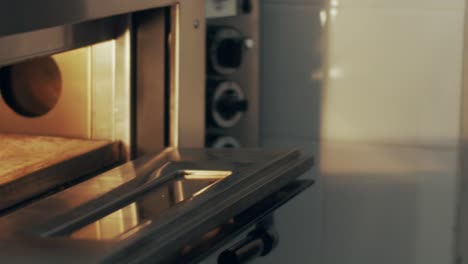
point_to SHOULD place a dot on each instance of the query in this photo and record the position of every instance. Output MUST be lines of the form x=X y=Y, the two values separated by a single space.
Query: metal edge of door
x=162 y=240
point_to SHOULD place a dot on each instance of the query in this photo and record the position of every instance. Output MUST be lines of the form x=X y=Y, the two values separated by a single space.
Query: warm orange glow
x=134 y=230
x=175 y=87
x=214 y=176
x=179 y=191
x=206 y=175
x=123 y=222
x=122 y=91
x=203 y=190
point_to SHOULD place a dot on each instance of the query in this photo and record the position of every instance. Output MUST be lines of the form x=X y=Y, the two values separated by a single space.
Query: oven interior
x=79 y=99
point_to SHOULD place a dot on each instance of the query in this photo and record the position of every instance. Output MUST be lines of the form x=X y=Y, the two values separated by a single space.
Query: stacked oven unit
x=102 y=109
x=232 y=88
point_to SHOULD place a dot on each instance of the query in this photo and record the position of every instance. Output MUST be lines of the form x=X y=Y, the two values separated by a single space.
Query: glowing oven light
x=206 y=175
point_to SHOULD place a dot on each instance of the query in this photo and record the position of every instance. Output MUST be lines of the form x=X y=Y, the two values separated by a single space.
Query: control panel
x=232 y=87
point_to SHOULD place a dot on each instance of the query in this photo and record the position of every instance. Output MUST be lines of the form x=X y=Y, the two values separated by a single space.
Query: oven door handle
x=258 y=243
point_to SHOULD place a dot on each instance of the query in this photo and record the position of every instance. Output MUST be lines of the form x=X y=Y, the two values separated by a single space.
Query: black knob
x=221 y=141
x=225 y=51
x=230 y=104
x=226 y=104
x=246 y=6
x=229 y=52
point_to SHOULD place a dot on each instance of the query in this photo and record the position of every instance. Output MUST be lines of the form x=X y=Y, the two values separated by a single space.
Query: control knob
x=226 y=48
x=222 y=142
x=226 y=104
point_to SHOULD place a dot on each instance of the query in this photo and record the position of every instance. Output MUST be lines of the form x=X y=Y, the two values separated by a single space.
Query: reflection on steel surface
x=131 y=218
x=110 y=226
x=206 y=175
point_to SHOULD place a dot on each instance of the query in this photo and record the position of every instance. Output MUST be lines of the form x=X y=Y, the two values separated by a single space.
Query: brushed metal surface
x=255 y=175
x=188 y=75
x=109 y=89
x=28 y=15
x=122 y=111
x=199 y=250
x=151 y=72
x=248 y=185
x=26 y=45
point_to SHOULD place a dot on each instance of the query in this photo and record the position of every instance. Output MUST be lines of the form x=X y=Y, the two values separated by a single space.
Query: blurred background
x=374 y=89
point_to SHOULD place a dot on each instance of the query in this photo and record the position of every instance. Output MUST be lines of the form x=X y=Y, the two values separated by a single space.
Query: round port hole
x=31 y=88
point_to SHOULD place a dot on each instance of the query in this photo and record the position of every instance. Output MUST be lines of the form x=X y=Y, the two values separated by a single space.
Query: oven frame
x=157 y=84
x=144 y=126
x=185 y=122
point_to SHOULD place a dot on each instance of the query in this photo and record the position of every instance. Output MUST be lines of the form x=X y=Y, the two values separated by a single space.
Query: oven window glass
x=131 y=218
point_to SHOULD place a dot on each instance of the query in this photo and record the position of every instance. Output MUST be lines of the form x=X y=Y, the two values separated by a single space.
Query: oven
x=102 y=130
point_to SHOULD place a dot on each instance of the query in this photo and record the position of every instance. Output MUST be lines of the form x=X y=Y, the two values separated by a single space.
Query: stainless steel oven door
x=151 y=209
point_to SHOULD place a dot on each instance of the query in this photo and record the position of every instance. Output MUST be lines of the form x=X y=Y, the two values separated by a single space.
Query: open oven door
x=177 y=205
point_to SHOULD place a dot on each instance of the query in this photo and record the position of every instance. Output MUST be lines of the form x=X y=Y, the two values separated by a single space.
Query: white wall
x=388 y=204
x=395 y=71
x=385 y=76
